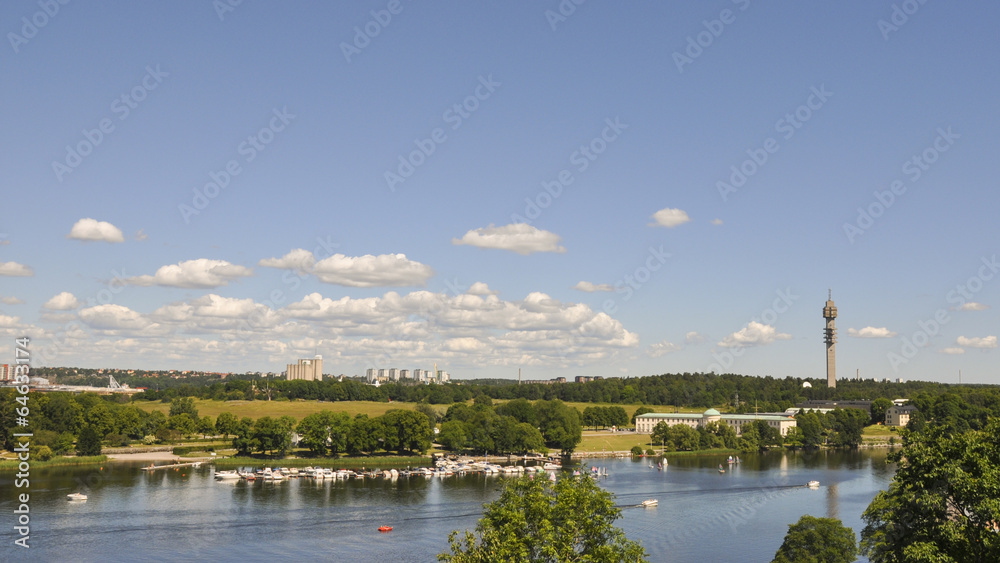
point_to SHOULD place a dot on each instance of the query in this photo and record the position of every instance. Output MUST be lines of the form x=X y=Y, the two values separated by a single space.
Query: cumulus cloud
x=11 y=301
x=112 y=317
x=669 y=218
x=977 y=342
x=480 y=288
x=871 y=332
x=9 y=321
x=592 y=287
x=201 y=273
x=953 y=351
x=693 y=338
x=65 y=301
x=661 y=348
x=384 y=270
x=754 y=334
x=140 y=235
x=298 y=259
x=14 y=269
x=521 y=238
x=973 y=306
x=716 y=221
x=93 y=230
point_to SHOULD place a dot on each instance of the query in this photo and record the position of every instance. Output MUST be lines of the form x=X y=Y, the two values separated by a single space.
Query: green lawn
x=296 y=409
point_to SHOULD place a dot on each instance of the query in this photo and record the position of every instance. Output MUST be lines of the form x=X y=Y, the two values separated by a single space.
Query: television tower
x=830 y=337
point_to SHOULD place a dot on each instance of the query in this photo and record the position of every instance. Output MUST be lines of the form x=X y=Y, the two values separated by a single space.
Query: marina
x=194 y=515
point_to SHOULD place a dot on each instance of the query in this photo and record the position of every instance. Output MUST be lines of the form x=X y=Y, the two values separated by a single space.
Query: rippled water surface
x=171 y=515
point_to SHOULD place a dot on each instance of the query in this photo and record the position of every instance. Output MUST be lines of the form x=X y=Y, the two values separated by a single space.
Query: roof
x=712 y=412
x=695 y=416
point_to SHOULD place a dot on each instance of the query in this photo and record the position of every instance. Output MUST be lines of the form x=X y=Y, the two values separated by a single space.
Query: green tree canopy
x=817 y=540
x=879 y=406
x=536 y=521
x=89 y=441
x=943 y=504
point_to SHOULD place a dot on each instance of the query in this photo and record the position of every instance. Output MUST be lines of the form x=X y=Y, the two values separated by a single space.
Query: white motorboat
x=813 y=484
x=549 y=466
x=222 y=475
x=650 y=502
x=76 y=496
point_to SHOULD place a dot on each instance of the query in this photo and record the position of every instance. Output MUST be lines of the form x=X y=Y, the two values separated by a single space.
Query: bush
x=650 y=452
x=149 y=439
x=40 y=453
x=636 y=451
x=116 y=440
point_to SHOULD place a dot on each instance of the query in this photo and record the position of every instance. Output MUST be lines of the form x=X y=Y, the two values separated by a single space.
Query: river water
x=185 y=514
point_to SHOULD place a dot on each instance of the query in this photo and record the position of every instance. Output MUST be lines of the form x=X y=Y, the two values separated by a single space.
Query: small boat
x=813 y=484
x=549 y=466
x=220 y=475
x=650 y=502
x=384 y=529
x=76 y=496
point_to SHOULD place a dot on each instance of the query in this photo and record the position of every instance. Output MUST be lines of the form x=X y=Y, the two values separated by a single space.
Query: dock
x=173 y=465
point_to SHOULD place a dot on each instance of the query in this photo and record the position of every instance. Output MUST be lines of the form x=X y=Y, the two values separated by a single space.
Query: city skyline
x=493 y=189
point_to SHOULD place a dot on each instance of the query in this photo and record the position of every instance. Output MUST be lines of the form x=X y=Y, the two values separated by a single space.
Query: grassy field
x=612 y=442
x=295 y=409
x=12 y=464
x=302 y=409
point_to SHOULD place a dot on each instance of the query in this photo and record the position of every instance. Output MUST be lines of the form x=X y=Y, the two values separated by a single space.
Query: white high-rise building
x=404 y=374
x=370 y=375
x=393 y=374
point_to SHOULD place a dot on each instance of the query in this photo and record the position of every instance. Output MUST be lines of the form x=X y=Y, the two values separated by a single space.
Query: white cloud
x=973 y=306
x=384 y=270
x=140 y=235
x=65 y=301
x=112 y=317
x=200 y=273
x=754 y=334
x=716 y=221
x=693 y=338
x=592 y=287
x=14 y=269
x=661 y=348
x=11 y=301
x=480 y=288
x=977 y=342
x=669 y=218
x=298 y=259
x=521 y=238
x=871 y=332
x=953 y=351
x=93 y=230
x=7 y=320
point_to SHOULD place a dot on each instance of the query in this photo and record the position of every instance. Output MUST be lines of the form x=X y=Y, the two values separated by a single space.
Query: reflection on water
x=739 y=515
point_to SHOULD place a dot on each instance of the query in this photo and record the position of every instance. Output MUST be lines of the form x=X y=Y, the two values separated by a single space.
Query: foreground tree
x=943 y=504
x=89 y=441
x=534 y=520
x=817 y=540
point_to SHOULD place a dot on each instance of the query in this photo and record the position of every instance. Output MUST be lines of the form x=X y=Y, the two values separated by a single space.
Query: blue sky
x=705 y=166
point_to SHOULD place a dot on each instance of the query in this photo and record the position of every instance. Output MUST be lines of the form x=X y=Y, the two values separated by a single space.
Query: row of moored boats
x=443 y=468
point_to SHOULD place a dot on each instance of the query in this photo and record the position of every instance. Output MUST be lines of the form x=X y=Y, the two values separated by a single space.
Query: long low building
x=645 y=423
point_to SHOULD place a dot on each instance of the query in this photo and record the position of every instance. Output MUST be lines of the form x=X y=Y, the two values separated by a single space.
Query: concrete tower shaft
x=830 y=338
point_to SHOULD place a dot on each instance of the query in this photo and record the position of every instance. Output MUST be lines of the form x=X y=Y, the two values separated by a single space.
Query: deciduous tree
x=536 y=521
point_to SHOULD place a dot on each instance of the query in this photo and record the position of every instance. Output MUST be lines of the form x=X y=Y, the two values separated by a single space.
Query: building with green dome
x=645 y=423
